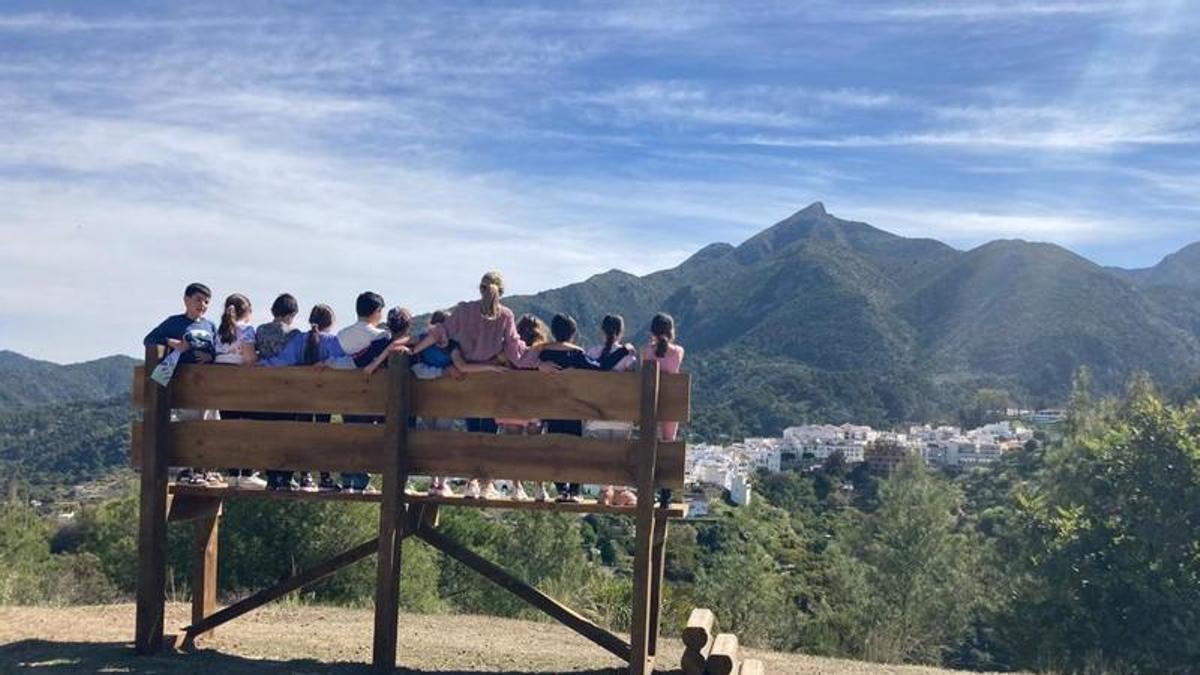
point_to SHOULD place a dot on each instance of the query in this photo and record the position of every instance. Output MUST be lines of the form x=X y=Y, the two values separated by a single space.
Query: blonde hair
x=491 y=287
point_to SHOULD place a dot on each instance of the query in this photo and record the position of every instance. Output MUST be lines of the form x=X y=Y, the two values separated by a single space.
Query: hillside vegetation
x=29 y=382
x=1068 y=554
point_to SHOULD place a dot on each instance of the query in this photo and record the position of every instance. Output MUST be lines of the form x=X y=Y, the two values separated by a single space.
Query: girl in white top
x=235 y=346
x=235 y=336
x=613 y=325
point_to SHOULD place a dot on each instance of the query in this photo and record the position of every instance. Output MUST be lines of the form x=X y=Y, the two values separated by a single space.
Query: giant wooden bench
x=396 y=451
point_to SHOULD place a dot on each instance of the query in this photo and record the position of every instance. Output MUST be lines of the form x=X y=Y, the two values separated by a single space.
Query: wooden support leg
x=641 y=661
x=387 y=590
x=152 y=514
x=393 y=518
x=640 y=664
x=658 y=559
x=204 y=568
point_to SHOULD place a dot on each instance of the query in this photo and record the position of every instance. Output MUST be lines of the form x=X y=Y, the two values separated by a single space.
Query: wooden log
x=698 y=638
x=751 y=667
x=152 y=512
x=699 y=630
x=304 y=446
x=658 y=564
x=566 y=395
x=308 y=576
x=723 y=657
x=391 y=511
x=641 y=661
x=502 y=578
x=204 y=565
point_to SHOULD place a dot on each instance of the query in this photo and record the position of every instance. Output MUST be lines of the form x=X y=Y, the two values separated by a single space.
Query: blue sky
x=407 y=147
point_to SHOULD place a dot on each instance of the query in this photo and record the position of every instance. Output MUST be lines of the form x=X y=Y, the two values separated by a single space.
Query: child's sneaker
x=369 y=490
x=490 y=492
x=184 y=477
x=327 y=484
x=443 y=490
x=472 y=490
x=252 y=482
x=625 y=497
x=519 y=493
x=306 y=483
x=543 y=494
x=211 y=479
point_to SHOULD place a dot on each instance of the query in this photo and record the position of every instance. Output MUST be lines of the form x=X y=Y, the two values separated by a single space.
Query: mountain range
x=819 y=318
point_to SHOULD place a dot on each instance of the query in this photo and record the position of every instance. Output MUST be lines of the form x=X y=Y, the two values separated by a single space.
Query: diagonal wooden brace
x=502 y=578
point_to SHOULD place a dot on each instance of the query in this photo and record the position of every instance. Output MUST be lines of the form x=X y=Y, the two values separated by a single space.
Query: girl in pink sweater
x=662 y=348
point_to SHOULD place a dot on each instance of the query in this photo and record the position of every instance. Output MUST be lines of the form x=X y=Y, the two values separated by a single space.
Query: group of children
x=527 y=343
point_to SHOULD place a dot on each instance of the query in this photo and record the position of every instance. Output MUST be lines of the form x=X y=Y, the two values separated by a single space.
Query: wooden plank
x=152 y=513
x=391 y=510
x=312 y=574
x=204 y=565
x=499 y=576
x=192 y=507
x=303 y=446
x=751 y=667
x=699 y=630
x=641 y=661
x=570 y=394
x=584 y=506
x=723 y=658
x=658 y=563
x=573 y=394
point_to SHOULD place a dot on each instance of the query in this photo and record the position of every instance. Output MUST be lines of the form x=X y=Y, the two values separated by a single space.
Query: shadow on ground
x=43 y=656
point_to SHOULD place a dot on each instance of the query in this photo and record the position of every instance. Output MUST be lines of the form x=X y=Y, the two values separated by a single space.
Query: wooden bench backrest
x=290 y=445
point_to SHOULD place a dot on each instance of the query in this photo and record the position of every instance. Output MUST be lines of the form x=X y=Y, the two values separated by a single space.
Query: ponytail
x=237 y=306
x=662 y=327
x=312 y=346
x=491 y=287
x=612 y=325
x=319 y=319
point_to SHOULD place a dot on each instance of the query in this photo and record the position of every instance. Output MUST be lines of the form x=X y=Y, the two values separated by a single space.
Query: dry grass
x=306 y=639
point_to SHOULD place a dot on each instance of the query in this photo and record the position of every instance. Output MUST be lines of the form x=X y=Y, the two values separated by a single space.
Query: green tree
x=1109 y=545
x=919 y=569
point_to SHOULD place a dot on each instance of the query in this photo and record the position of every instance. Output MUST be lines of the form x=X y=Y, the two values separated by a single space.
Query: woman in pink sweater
x=484 y=330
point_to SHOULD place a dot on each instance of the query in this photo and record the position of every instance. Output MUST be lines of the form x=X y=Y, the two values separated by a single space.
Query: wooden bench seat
x=387 y=442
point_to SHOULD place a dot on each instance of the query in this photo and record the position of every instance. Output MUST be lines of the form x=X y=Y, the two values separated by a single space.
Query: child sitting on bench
x=564 y=353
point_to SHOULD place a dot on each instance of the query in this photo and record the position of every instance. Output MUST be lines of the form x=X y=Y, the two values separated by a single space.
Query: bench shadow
x=49 y=657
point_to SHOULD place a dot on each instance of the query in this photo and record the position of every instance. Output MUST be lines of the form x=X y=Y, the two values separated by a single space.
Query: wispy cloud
x=980 y=11
x=407 y=148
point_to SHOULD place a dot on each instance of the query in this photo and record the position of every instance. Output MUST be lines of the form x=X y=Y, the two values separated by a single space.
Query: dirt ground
x=307 y=639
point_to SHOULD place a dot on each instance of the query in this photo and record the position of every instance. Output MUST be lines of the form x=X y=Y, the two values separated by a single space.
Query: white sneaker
x=490 y=492
x=472 y=490
x=519 y=494
x=443 y=490
x=252 y=482
x=543 y=494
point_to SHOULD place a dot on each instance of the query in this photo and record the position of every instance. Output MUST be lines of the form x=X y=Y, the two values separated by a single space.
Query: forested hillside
x=27 y=382
x=822 y=319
